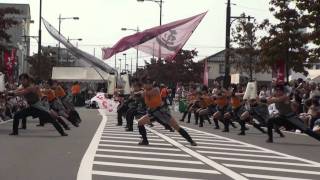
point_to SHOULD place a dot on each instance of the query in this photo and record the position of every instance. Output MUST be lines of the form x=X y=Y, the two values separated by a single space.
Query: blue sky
x=101 y=20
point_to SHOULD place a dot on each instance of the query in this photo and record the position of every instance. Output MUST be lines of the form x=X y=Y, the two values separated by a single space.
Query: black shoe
x=182 y=120
x=13 y=134
x=225 y=130
x=242 y=134
x=23 y=128
x=282 y=135
x=40 y=125
x=151 y=125
x=119 y=124
x=217 y=127
x=193 y=143
x=64 y=134
x=129 y=129
x=142 y=142
x=195 y=123
x=269 y=141
x=67 y=128
x=200 y=125
x=188 y=121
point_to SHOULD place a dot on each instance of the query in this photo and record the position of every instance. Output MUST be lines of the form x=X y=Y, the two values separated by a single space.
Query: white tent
x=81 y=74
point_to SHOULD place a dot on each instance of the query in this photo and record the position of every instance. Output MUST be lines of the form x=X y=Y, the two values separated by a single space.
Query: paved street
x=100 y=150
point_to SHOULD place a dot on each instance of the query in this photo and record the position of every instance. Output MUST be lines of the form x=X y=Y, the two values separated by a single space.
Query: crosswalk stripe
x=121 y=132
x=220 y=144
x=247 y=155
x=259 y=176
x=134 y=142
x=132 y=138
x=149 y=159
x=204 y=159
x=139 y=176
x=144 y=152
x=262 y=161
x=177 y=135
x=260 y=148
x=168 y=168
x=140 y=147
x=229 y=149
x=273 y=169
x=128 y=135
x=204 y=140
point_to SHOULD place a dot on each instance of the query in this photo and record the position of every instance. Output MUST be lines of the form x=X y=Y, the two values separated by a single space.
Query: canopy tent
x=81 y=74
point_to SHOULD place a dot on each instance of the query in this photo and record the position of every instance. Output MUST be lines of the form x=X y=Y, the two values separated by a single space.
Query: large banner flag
x=77 y=52
x=161 y=41
x=206 y=73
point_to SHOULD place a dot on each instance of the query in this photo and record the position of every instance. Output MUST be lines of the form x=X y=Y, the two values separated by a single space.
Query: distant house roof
x=219 y=57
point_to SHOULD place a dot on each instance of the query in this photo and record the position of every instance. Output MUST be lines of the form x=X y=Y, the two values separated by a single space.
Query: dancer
x=158 y=111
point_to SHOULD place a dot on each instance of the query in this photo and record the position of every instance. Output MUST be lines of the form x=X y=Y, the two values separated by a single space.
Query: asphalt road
x=100 y=150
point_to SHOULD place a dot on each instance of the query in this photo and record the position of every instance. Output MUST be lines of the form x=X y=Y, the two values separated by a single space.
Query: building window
x=317 y=66
x=221 y=68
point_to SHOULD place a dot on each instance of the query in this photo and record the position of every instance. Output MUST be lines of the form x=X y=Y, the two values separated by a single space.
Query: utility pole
x=227 y=77
x=39 y=36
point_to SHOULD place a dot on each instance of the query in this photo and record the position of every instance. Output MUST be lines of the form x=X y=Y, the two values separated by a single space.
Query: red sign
x=10 y=60
x=279 y=71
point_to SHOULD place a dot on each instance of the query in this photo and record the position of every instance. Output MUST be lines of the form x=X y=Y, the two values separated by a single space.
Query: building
x=20 y=40
x=216 y=69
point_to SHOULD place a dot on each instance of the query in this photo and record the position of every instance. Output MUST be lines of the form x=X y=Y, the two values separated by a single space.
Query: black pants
x=122 y=109
x=34 y=112
x=292 y=120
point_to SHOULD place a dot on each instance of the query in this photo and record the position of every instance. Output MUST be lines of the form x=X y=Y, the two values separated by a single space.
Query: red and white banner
x=10 y=61
x=206 y=73
x=162 y=41
x=279 y=71
x=104 y=103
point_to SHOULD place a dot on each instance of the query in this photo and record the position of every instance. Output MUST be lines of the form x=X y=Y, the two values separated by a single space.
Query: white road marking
x=259 y=176
x=247 y=155
x=262 y=161
x=202 y=158
x=4 y=122
x=273 y=169
x=139 y=176
x=140 y=147
x=261 y=148
x=84 y=172
x=205 y=140
x=168 y=168
x=149 y=159
x=230 y=149
x=144 y=152
x=217 y=144
x=132 y=142
x=128 y=135
x=131 y=138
